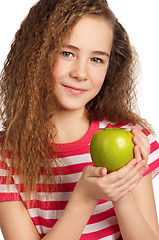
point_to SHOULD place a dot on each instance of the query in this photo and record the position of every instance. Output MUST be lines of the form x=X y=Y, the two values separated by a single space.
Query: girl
x=70 y=72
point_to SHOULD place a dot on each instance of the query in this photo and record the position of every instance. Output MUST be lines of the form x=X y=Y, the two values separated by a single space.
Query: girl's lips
x=73 y=90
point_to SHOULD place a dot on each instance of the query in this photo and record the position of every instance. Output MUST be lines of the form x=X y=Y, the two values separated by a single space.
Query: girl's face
x=82 y=63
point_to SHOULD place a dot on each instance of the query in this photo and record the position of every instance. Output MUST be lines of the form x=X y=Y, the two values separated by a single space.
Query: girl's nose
x=79 y=70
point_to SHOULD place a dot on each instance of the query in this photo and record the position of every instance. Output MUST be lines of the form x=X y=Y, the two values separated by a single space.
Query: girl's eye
x=66 y=54
x=97 y=60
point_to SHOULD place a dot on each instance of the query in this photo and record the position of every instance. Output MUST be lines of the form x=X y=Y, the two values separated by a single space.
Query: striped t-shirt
x=72 y=158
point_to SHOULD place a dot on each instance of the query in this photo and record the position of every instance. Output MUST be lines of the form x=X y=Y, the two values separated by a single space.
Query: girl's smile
x=74 y=90
x=82 y=63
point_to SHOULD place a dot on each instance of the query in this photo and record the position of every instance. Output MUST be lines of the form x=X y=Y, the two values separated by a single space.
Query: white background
x=140 y=18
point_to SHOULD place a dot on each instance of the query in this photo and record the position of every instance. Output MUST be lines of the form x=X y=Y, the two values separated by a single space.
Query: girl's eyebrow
x=94 y=52
x=101 y=53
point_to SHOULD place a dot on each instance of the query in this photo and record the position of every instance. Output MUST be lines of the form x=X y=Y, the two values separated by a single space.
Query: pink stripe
x=64 y=187
x=145 y=131
x=42 y=235
x=65 y=170
x=47 y=205
x=10 y=197
x=101 y=216
x=3 y=165
x=3 y=180
x=49 y=223
x=154 y=146
x=119 y=125
x=152 y=167
x=70 y=153
x=101 y=234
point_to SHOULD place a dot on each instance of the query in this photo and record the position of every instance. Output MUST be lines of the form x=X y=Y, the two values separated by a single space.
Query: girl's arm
x=136 y=213
x=16 y=223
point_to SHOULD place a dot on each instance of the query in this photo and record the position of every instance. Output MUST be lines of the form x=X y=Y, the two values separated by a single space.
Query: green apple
x=112 y=148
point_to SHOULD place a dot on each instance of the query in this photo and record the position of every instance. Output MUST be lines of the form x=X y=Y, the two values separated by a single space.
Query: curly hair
x=27 y=85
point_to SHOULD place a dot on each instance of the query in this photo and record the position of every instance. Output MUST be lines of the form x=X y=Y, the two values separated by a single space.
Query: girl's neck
x=71 y=126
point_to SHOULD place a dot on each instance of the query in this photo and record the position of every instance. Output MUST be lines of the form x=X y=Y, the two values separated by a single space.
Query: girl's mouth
x=73 y=90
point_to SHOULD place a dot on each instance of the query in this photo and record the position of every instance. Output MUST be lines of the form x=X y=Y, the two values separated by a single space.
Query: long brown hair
x=27 y=86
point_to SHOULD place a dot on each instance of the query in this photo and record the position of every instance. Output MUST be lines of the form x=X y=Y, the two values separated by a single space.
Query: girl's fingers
x=129 y=182
x=137 y=171
x=130 y=173
x=134 y=180
x=140 y=134
x=142 y=141
x=143 y=148
x=137 y=154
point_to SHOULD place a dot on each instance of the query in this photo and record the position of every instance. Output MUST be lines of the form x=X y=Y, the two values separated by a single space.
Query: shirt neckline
x=65 y=147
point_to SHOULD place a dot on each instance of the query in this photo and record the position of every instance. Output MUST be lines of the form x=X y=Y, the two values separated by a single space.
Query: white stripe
x=100 y=225
x=112 y=237
x=155 y=172
x=103 y=124
x=127 y=126
x=151 y=138
x=46 y=214
x=41 y=229
x=153 y=156
x=12 y=188
x=3 y=172
x=57 y=196
x=102 y=207
x=72 y=160
x=70 y=178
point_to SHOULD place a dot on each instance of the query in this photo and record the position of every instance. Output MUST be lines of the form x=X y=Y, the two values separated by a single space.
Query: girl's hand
x=96 y=184
x=142 y=142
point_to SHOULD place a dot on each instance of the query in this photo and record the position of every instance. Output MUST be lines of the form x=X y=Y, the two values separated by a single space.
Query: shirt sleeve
x=153 y=159
x=8 y=191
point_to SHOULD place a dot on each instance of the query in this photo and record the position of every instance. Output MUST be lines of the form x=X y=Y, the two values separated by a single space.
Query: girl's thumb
x=91 y=171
